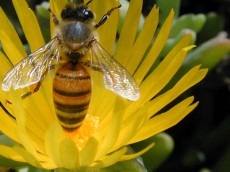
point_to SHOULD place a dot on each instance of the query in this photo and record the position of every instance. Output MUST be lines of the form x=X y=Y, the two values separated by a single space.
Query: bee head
x=78 y=13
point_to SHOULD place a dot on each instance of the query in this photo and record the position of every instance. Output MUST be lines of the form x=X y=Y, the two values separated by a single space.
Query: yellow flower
x=112 y=123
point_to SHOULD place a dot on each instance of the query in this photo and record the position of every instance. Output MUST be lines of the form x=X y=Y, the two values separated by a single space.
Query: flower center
x=86 y=130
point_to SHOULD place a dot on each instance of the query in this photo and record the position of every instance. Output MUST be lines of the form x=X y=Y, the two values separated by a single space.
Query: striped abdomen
x=71 y=94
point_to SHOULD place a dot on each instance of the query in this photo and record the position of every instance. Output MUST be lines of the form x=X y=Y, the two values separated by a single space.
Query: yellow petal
x=156 y=49
x=107 y=32
x=158 y=79
x=27 y=156
x=5 y=65
x=12 y=35
x=165 y=120
x=128 y=32
x=53 y=138
x=130 y=126
x=8 y=126
x=111 y=158
x=13 y=52
x=143 y=40
x=187 y=81
x=69 y=154
x=112 y=132
x=88 y=153
x=56 y=7
x=135 y=155
x=29 y=24
x=8 y=152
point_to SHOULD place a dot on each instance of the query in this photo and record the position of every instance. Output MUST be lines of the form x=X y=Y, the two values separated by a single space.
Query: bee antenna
x=88 y=2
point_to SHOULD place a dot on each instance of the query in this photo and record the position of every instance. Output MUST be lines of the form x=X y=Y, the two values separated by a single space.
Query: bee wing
x=31 y=69
x=116 y=77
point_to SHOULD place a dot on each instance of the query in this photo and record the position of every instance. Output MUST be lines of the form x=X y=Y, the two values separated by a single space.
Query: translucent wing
x=116 y=77
x=31 y=69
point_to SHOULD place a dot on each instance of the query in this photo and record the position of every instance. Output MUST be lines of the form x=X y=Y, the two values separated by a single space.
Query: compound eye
x=88 y=14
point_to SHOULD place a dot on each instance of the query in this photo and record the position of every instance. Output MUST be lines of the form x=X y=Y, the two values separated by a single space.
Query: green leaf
x=32 y=169
x=159 y=153
x=123 y=12
x=166 y=6
x=213 y=25
x=4 y=162
x=209 y=54
x=43 y=16
x=189 y=21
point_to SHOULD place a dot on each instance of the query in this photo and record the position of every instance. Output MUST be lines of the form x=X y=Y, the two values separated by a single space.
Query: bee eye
x=88 y=14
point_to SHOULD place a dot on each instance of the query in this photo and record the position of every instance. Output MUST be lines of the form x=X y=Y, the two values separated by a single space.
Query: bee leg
x=105 y=17
x=38 y=84
x=55 y=20
x=32 y=91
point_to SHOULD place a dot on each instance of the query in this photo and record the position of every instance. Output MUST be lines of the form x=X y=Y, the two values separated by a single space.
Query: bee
x=74 y=43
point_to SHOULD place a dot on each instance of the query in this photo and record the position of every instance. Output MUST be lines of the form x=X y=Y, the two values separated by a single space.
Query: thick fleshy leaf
x=153 y=158
x=189 y=21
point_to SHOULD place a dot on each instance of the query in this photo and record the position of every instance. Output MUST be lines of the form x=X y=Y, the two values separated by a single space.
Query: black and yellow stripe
x=71 y=94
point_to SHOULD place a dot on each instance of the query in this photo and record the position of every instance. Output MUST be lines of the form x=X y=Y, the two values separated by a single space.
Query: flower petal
x=56 y=7
x=8 y=152
x=88 y=153
x=69 y=154
x=13 y=52
x=29 y=24
x=18 y=52
x=158 y=79
x=8 y=126
x=143 y=40
x=112 y=132
x=107 y=32
x=187 y=81
x=129 y=30
x=54 y=136
x=111 y=158
x=165 y=120
x=27 y=156
x=156 y=49
x=5 y=65
x=135 y=155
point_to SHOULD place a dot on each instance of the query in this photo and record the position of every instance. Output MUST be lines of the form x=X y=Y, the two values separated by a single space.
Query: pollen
x=85 y=131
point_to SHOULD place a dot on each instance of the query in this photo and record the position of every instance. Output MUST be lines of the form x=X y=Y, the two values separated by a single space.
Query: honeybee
x=74 y=42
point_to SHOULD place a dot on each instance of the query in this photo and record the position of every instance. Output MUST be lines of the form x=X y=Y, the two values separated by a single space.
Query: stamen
x=81 y=135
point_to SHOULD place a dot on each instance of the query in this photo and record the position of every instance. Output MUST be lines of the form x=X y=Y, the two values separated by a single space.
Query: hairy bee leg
x=106 y=16
x=55 y=20
x=39 y=83
x=6 y=111
x=95 y=67
x=88 y=2
x=32 y=91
